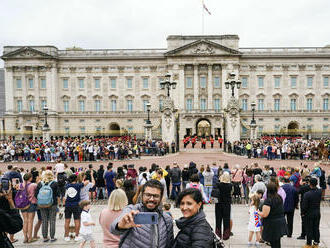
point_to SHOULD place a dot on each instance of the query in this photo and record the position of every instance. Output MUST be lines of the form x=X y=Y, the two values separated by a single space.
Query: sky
x=146 y=23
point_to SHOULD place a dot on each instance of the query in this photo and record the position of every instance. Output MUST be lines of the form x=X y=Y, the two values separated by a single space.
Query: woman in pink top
x=116 y=203
x=28 y=214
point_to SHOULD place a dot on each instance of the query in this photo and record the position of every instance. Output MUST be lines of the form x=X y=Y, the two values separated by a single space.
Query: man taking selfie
x=142 y=235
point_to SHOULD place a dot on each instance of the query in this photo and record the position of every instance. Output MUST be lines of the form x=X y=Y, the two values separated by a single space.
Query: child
x=254 y=221
x=167 y=207
x=87 y=223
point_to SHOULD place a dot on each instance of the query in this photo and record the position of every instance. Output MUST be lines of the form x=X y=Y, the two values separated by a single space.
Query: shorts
x=39 y=214
x=93 y=189
x=61 y=191
x=87 y=237
x=31 y=209
x=72 y=210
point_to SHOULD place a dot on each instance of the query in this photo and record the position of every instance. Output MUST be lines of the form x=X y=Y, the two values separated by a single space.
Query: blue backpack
x=45 y=195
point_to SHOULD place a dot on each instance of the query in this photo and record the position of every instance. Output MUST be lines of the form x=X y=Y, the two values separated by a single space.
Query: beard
x=151 y=205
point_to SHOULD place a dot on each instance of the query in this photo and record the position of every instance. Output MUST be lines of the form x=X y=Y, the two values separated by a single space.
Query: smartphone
x=15 y=181
x=146 y=218
x=5 y=184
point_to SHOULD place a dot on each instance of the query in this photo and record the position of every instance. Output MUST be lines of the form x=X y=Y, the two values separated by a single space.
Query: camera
x=4 y=184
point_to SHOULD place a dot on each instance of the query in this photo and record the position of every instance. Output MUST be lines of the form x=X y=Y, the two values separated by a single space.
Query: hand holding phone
x=127 y=221
x=146 y=218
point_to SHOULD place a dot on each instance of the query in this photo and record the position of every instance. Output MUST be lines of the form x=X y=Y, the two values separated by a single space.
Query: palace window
x=31 y=105
x=145 y=102
x=293 y=104
x=203 y=104
x=97 y=105
x=260 y=104
x=203 y=82
x=325 y=81
x=277 y=82
x=309 y=104
x=43 y=83
x=276 y=104
x=260 y=82
x=309 y=82
x=293 y=82
x=31 y=83
x=65 y=83
x=82 y=106
x=216 y=82
x=113 y=105
x=97 y=83
x=113 y=83
x=189 y=82
x=19 y=105
x=129 y=83
x=18 y=83
x=189 y=104
x=326 y=104
x=43 y=104
x=129 y=105
x=244 y=82
x=244 y=104
x=160 y=104
x=216 y=104
x=66 y=105
x=81 y=83
x=145 y=83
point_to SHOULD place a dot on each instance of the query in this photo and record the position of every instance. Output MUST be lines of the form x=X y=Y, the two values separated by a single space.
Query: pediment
x=202 y=48
x=27 y=52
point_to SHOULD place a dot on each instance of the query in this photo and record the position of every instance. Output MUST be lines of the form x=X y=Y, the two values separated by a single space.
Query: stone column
x=253 y=134
x=168 y=120
x=9 y=91
x=196 y=87
x=181 y=86
x=209 y=88
x=46 y=134
x=148 y=133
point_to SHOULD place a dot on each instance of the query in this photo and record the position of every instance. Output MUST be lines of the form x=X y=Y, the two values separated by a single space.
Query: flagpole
x=202 y=17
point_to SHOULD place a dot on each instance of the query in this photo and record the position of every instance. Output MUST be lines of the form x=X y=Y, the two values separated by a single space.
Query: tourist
x=116 y=203
x=254 y=225
x=311 y=210
x=152 y=193
x=304 y=188
x=86 y=231
x=48 y=211
x=100 y=183
x=258 y=185
x=195 y=231
x=274 y=225
x=195 y=183
x=175 y=175
x=110 y=179
x=185 y=176
x=223 y=207
x=208 y=181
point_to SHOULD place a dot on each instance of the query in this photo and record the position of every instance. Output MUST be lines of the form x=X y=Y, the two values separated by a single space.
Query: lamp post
x=168 y=84
x=231 y=82
x=46 y=126
x=253 y=123
x=148 y=105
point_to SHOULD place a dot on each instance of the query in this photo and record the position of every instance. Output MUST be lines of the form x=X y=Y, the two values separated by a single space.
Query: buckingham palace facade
x=106 y=91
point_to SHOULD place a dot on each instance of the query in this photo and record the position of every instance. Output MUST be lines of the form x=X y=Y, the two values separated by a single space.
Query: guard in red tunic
x=212 y=141
x=193 y=141
x=220 y=140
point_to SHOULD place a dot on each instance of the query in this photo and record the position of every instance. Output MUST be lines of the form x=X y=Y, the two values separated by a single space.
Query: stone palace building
x=106 y=91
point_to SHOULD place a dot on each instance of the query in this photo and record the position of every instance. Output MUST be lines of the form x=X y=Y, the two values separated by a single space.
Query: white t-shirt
x=59 y=167
x=85 y=217
x=84 y=192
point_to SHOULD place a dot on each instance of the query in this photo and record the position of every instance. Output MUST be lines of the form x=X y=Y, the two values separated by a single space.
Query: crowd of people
x=63 y=191
x=81 y=149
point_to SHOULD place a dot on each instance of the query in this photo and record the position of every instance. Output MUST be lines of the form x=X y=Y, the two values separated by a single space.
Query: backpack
x=22 y=199
x=45 y=195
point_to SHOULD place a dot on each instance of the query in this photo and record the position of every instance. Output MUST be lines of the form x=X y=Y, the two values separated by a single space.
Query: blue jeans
x=99 y=189
x=176 y=188
x=208 y=190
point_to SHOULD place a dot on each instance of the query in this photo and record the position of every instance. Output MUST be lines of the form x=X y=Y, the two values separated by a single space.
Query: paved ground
x=240 y=219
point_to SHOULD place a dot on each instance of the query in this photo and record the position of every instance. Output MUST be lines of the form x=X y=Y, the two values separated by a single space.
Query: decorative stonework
x=204 y=49
x=302 y=67
x=233 y=111
x=253 y=67
x=121 y=69
x=285 y=67
x=318 y=67
x=269 y=67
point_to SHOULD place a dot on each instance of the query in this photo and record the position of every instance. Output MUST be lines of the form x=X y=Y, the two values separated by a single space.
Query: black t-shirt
x=257 y=171
x=225 y=190
x=276 y=207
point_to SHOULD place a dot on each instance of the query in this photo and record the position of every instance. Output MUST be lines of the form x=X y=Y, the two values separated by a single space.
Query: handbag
x=4 y=241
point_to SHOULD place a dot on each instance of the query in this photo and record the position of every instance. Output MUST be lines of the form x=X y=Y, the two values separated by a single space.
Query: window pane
x=145 y=102
x=31 y=83
x=160 y=104
x=293 y=82
x=217 y=82
x=277 y=104
x=244 y=104
x=277 y=82
x=145 y=83
x=309 y=103
x=326 y=81
x=113 y=105
x=293 y=104
x=65 y=83
x=43 y=83
x=43 y=104
x=31 y=105
x=66 y=106
x=260 y=104
x=244 y=82
x=129 y=105
x=129 y=83
x=19 y=105
x=97 y=105
x=203 y=104
x=82 y=106
x=325 y=104
x=309 y=82
x=189 y=104
x=81 y=83
x=113 y=83
x=203 y=82
x=189 y=81
x=18 y=83
x=260 y=82
x=97 y=83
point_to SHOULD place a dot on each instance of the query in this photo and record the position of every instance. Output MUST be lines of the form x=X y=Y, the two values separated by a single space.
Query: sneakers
x=67 y=239
x=315 y=245
x=77 y=238
x=258 y=244
x=250 y=244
